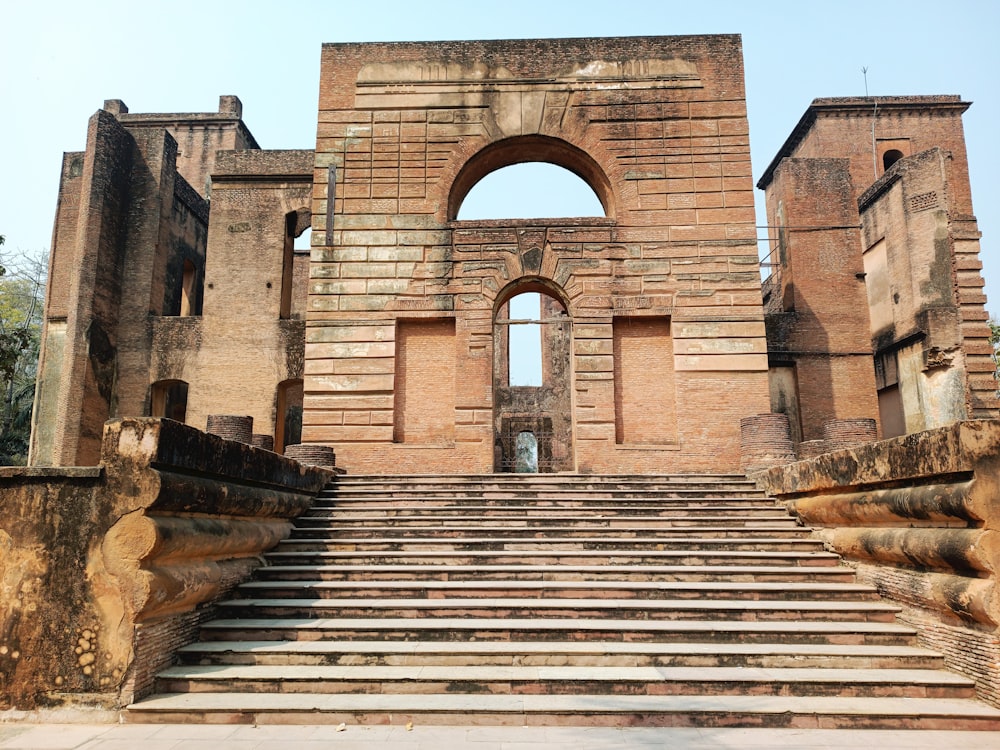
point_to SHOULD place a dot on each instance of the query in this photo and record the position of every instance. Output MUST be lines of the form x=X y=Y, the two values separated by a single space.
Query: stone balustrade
x=918 y=517
x=108 y=569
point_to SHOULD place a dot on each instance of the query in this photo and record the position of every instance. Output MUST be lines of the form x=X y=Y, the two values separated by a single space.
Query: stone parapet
x=106 y=564
x=918 y=514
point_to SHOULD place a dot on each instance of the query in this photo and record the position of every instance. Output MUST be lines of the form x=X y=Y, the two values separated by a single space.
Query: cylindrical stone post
x=260 y=440
x=847 y=433
x=765 y=441
x=312 y=455
x=811 y=449
x=230 y=427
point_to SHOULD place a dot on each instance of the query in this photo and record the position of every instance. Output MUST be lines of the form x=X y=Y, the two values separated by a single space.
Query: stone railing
x=918 y=516
x=105 y=570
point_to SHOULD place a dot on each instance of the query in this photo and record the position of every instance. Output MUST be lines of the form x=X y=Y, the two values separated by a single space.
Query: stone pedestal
x=765 y=442
x=230 y=427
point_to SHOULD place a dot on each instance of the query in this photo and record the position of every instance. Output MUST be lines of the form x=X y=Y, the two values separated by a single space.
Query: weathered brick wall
x=245 y=349
x=425 y=380
x=822 y=328
x=76 y=372
x=199 y=136
x=920 y=260
x=842 y=127
x=656 y=126
x=643 y=353
x=925 y=290
x=127 y=223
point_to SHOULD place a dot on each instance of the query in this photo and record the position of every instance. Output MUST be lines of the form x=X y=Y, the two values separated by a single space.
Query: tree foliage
x=995 y=341
x=22 y=284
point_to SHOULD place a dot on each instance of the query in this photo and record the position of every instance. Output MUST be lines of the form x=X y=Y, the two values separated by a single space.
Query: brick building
x=876 y=255
x=176 y=289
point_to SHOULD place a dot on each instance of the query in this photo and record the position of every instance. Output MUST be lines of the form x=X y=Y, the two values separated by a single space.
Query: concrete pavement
x=24 y=736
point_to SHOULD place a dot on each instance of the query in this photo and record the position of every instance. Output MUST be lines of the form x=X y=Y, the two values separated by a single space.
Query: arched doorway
x=532 y=417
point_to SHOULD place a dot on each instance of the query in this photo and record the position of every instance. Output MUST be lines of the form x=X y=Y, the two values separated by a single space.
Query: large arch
x=402 y=324
x=531 y=148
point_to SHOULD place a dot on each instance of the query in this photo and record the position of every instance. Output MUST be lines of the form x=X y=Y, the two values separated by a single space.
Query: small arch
x=890 y=157
x=168 y=399
x=531 y=148
x=543 y=405
x=531 y=284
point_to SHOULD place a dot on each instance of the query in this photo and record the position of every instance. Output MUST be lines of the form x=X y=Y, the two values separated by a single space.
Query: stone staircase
x=558 y=599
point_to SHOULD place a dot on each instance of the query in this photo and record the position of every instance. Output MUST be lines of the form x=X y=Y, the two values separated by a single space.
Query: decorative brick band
x=260 y=440
x=765 y=441
x=846 y=433
x=230 y=427
x=312 y=455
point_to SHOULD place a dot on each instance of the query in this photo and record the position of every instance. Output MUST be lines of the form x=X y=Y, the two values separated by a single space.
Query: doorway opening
x=532 y=336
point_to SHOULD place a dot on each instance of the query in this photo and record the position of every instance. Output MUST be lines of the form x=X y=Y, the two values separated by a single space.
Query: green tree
x=995 y=341
x=22 y=285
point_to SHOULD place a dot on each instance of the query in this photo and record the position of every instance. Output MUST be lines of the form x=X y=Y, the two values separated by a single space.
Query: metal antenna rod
x=864 y=72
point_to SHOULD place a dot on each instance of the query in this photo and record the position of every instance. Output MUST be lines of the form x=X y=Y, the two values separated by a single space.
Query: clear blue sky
x=60 y=60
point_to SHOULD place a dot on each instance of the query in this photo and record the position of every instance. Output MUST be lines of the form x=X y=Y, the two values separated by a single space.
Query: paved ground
x=19 y=736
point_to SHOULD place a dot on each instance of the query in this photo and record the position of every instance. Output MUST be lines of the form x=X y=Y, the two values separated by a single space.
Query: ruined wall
x=817 y=309
x=199 y=136
x=932 y=363
x=105 y=570
x=77 y=364
x=657 y=126
x=144 y=291
x=245 y=347
x=117 y=259
x=842 y=127
x=928 y=320
x=917 y=516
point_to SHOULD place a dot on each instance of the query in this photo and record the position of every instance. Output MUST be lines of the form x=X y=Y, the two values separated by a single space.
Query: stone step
x=578 y=710
x=564 y=680
x=552 y=534
x=514 y=514
x=558 y=599
x=553 y=525
x=522 y=481
x=547 y=493
x=591 y=573
x=560 y=477
x=512 y=504
x=619 y=609
x=557 y=629
x=539 y=543
x=559 y=653
x=558 y=590
x=287 y=554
